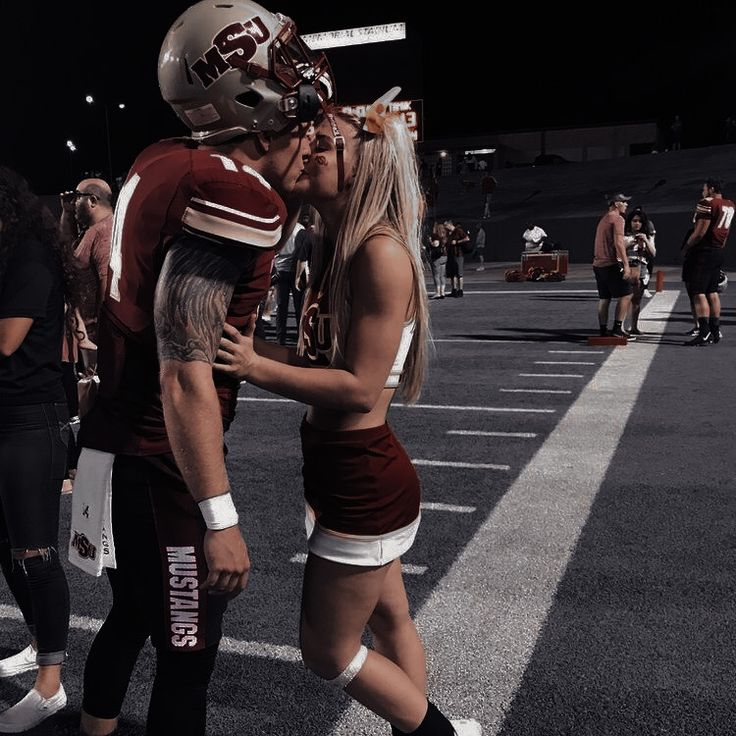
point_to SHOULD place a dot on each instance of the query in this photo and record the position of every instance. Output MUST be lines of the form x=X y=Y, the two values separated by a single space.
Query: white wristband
x=219 y=512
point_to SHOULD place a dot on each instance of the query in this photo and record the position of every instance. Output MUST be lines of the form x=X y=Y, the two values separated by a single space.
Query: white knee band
x=347 y=675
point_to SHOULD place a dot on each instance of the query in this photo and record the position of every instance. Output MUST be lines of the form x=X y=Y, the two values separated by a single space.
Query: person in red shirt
x=611 y=266
x=196 y=226
x=93 y=213
x=704 y=252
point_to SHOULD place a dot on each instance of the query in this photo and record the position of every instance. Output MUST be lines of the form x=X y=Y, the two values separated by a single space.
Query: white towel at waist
x=91 y=546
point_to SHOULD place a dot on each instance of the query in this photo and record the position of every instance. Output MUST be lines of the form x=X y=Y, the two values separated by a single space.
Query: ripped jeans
x=33 y=447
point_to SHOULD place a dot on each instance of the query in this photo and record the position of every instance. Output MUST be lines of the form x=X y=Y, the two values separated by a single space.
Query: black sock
x=603 y=329
x=714 y=324
x=434 y=724
x=617 y=326
x=703 y=326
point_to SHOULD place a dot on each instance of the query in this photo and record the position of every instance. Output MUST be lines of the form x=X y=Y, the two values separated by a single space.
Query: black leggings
x=33 y=446
x=158 y=533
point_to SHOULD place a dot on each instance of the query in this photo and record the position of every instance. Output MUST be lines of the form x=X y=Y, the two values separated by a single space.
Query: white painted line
x=579 y=352
x=552 y=375
x=475 y=408
x=504 y=583
x=423 y=406
x=431 y=506
x=535 y=391
x=451 y=464
x=531 y=292
x=301 y=559
x=473 y=433
x=563 y=362
x=495 y=340
x=264 y=650
x=267 y=401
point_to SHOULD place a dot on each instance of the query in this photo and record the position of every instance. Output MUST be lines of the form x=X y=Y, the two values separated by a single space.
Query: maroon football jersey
x=173 y=189
x=719 y=212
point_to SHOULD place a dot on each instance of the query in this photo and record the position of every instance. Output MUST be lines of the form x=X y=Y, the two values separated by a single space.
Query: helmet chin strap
x=339 y=150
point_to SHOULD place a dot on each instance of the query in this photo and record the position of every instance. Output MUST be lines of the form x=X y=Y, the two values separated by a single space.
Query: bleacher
x=568 y=199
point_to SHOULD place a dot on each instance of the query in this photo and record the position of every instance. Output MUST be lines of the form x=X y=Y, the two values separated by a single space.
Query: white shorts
x=354 y=549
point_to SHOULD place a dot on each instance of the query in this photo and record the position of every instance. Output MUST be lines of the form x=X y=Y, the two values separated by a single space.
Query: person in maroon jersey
x=364 y=331
x=195 y=229
x=704 y=252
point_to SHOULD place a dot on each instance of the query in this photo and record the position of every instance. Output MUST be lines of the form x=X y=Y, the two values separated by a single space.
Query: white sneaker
x=647 y=294
x=467 y=727
x=21 y=662
x=31 y=711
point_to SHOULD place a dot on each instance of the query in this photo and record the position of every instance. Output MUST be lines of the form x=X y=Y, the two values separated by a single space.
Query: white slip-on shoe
x=31 y=711
x=21 y=662
x=467 y=727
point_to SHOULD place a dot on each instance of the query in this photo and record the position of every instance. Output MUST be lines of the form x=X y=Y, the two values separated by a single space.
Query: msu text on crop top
x=315 y=333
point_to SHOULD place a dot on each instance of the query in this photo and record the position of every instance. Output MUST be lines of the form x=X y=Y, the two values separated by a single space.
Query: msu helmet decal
x=237 y=68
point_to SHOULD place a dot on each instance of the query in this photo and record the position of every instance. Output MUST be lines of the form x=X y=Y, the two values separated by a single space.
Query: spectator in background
x=534 y=238
x=302 y=258
x=285 y=282
x=92 y=202
x=611 y=266
x=488 y=186
x=639 y=247
x=676 y=134
x=438 y=258
x=457 y=240
x=730 y=129
x=480 y=247
x=34 y=433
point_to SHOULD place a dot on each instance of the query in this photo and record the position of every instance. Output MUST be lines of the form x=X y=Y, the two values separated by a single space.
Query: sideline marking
x=480 y=433
x=450 y=464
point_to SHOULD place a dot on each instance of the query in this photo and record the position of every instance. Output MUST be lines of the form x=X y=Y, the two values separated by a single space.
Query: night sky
x=509 y=67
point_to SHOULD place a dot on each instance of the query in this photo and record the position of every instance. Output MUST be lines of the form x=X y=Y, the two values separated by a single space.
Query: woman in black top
x=34 y=433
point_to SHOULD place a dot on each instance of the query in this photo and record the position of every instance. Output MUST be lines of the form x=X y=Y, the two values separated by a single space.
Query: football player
x=704 y=251
x=196 y=227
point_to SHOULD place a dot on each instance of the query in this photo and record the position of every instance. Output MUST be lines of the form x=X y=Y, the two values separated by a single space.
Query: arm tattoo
x=192 y=297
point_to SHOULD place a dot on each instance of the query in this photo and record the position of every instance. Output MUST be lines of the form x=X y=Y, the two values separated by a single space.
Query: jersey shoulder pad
x=231 y=203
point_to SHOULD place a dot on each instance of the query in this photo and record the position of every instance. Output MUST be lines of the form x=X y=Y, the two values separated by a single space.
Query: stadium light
x=480 y=151
x=90 y=100
x=70 y=145
x=356 y=36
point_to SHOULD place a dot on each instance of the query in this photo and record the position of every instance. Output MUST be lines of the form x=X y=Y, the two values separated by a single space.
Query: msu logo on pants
x=86 y=549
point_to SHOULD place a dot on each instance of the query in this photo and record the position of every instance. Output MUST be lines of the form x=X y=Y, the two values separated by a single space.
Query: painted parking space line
x=535 y=391
x=482 y=433
x=551 y=375
x=452 y=508
x=399 y=405
x=452 y=464
x=564 y=362
x=453 y=407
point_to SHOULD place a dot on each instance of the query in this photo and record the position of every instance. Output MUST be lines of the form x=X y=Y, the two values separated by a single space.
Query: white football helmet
x=233 y=68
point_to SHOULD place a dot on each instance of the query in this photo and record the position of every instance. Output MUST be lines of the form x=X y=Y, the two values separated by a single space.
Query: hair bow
x=375 y=117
